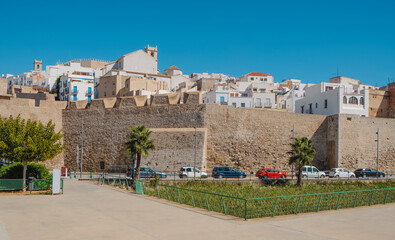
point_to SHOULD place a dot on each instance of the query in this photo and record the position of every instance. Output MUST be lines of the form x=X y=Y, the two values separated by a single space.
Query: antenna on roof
x=337 y=72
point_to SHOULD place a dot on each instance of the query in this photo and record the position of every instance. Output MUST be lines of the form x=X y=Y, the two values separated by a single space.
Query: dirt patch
x=15 y=193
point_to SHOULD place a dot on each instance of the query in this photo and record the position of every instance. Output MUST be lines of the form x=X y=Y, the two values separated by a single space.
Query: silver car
x=341 y=173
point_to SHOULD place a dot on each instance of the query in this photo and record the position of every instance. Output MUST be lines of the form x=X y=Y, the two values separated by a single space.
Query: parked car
x=146 y=172
x=190 y=172
x=270 y=173
x=228 y=172
x=341 y=173
x=312 y=172
x=368 y=172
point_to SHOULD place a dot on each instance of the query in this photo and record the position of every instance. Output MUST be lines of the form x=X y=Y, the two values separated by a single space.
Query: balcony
x=74 y=91
x=268 y=105
x=89 y=93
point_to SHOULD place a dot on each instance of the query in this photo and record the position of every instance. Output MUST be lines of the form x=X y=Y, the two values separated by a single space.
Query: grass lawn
x=230 y=198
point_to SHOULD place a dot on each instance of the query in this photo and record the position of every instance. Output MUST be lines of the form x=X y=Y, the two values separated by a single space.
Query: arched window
x=345 y=100
x=361 y=101
x=353 y=100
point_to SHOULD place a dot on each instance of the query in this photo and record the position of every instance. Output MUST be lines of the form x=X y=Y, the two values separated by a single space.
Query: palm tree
x=302 y=153
x=139 y=144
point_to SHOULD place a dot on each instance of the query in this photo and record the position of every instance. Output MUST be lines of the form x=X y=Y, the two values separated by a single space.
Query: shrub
x=15 y=171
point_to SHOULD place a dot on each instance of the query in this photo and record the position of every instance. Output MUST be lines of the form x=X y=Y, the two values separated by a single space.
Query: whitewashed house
x=335 y=97
x=76 y=86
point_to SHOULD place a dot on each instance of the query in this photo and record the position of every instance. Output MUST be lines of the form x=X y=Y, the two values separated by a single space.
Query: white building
x=219 y=77
x=291 y=90
x=76 y=86
x=228 y=94
x=177 y=77
x=335 y=98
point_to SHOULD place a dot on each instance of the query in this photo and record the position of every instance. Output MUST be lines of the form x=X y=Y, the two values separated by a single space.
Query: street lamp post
x=293 y=137
x=377 y=170
x=194 y=159
x=82 y=146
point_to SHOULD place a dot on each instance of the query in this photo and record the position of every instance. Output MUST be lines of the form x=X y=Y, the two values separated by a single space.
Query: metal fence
x=175 y=176
x=18 y=184
x=248 y=208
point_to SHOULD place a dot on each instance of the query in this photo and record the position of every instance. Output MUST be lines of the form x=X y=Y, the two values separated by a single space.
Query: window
x=255 y=89
x=244 y=95
x=353 y=100
x=222 y=99
x=328 y=88
x=113 y=83
x=315 y=170
x=74 y=97
x=361 y=101
x=302 y=109
x=105 y=94
x=113 y=92
x=326 y=103
x=89 y=90
x=345 y=100
x=243 y=105
x=265 y=79
x=102 y=165
x=316 y=105
x=75 y=89
x=38 y=66
x=127 y=85
x=232 y=94
x=89 y=98
x=234 y=104
x=252 y=78
x=261 y=79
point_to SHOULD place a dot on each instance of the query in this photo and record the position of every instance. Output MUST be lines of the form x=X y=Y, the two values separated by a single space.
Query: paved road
x=88 y=211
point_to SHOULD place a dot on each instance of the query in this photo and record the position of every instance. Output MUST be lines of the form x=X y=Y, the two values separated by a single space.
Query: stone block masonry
x=245 y=138
x=105 y=136
x=251 y=139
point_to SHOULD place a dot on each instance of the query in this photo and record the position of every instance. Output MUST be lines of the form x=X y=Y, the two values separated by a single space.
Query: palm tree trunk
x=24 y=175
x=299 y=182
x=138 y=163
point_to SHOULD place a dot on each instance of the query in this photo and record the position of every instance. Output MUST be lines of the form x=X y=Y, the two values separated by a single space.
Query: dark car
x=270 y=173
x=146 y=172
x=228 y=172
x=368 y=172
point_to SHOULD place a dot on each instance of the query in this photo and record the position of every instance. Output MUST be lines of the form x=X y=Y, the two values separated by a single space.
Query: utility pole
x=82 y=146
x=377 y=170
x=293 y=139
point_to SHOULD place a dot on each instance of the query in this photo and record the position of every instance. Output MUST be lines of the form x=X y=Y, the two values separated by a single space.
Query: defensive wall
x=242 y=137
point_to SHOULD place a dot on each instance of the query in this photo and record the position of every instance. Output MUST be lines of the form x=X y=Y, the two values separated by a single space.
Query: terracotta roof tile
x=258 y=74
x=173 y=68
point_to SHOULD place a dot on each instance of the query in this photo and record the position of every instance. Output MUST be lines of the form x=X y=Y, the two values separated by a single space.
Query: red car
x=270 y=173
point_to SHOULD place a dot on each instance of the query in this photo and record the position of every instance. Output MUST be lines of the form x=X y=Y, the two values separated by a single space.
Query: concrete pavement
x=88 y=211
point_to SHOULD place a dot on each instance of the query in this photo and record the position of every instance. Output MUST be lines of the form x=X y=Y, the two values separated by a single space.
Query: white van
x=312 y=172
x=190 y=172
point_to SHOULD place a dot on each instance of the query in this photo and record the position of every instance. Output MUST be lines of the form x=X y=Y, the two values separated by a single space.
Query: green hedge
x=15 y=171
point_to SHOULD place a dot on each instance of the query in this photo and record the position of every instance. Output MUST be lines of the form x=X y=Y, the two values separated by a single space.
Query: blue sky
x=309 y=40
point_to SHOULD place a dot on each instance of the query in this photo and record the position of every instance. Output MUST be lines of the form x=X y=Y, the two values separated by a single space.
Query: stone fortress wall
x=241 y=137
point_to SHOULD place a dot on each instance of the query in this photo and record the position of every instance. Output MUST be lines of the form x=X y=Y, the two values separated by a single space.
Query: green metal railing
x=11 y=184
x=18 y=184
x=248 y=208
